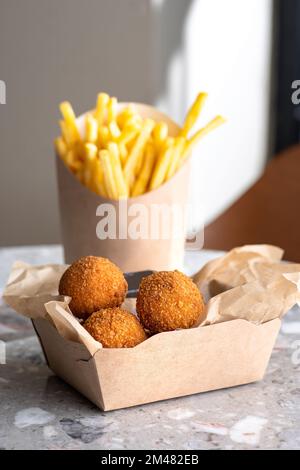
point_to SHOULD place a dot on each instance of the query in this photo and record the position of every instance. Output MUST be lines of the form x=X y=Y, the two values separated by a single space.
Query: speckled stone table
x=39 y=411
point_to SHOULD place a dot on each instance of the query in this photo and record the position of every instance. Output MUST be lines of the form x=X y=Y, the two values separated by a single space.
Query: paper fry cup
x=144 y=232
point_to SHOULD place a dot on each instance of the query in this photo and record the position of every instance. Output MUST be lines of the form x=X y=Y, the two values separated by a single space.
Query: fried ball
x=93 y=283
x=168 y=300
x=115 y=328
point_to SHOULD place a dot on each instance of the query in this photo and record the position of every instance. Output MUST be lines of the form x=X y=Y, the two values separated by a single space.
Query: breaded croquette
x=93 y=283
x=168 y=300
x=115 y=328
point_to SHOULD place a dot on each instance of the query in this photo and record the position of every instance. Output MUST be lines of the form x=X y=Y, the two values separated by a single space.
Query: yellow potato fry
x=139 y=165
x=124 y=115
x=70 y=120
x=213 y=124
x=162 y=165
x=61 y=146
x=103 y=136
x=89 y=164
x=91 y=150
x=141 y=183
x=99 y=179
x=137 y=150
x=113 y=149
x=71 y=161
x=91 y=129
x=112 y=110
x=109 y=181
x=193 y=114
x=142 y=156
x=160 y=133
x=66 y=133
x=76 y=147
x=177 y=152
x=117 y=170
x=123 y=153
x=101 y=108
x=128 y=134
x=92 y=172
x=114 y=130
x=135 y=121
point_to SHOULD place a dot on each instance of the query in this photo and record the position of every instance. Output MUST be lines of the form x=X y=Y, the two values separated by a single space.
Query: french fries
x=89 y=167
x=179 y=146
x=193 y=114
x=133 y=160
x=103 y=137
x=141 y=183
x=70 y=121
x=109 y=179
x=91 y=129
x=160 y=134
x=213 y=124
x=122 y=188
x=162 y=165
x=119 y=154
x=112 y=110
x=114 y=130
x=101 y=108
x=61 y=146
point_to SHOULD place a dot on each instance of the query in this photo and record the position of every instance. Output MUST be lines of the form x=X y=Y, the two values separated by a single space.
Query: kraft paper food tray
x=78 y=213
x=231 y=346
x=165 y=366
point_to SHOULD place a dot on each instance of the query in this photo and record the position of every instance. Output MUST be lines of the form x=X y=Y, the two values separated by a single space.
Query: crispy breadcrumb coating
x=93 y=283
x=115 y=328
x=168 y=300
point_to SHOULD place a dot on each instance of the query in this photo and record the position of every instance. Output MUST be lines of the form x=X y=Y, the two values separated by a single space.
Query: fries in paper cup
x=119 y=154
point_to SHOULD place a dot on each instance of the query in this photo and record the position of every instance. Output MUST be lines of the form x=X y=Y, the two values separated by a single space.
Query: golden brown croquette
x=115 y=328
x=93 y=283
x=168 y=300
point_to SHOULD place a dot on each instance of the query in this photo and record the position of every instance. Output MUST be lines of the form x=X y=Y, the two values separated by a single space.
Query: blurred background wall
x=157 y=51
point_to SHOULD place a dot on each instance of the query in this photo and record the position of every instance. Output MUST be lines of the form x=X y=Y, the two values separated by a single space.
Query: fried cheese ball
x=115 y=328
x=93 y=283
x=168 y=300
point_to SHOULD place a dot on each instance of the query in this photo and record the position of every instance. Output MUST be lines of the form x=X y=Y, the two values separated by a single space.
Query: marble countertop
x=39 y=411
